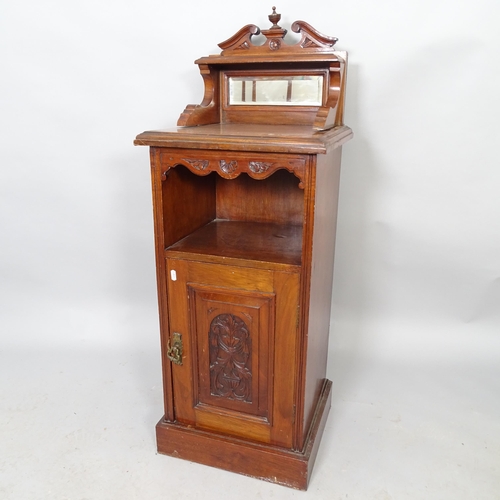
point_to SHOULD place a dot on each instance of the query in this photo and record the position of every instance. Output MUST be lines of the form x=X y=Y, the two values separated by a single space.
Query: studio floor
x=79 y=425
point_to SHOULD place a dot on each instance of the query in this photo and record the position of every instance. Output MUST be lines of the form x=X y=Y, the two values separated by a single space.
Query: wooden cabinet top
x=272 y=97
x=297 y=139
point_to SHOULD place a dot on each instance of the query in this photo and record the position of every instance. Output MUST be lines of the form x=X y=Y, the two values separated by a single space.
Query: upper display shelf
x=275 y=82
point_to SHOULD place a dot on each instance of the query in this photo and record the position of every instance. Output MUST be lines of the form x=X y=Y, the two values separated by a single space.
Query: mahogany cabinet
x=245 y=197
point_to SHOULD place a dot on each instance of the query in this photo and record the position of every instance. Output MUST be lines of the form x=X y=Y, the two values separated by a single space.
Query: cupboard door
x=235 y=377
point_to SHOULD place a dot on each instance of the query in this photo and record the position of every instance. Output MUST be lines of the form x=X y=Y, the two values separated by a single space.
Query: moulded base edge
x=269 y=463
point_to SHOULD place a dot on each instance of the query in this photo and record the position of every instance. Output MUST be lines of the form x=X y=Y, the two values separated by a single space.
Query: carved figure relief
x=230 y=358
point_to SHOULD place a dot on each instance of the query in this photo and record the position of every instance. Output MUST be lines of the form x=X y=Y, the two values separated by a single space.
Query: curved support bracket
x=331 y=114
x=209 y=110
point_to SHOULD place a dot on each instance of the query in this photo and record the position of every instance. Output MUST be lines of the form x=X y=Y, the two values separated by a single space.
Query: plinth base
x=269 y=463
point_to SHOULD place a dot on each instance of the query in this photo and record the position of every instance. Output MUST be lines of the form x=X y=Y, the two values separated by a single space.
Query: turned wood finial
x=275 y=33
x=275 y=19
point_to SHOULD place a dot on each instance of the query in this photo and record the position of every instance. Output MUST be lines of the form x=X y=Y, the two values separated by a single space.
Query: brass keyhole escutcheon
x=174 y=351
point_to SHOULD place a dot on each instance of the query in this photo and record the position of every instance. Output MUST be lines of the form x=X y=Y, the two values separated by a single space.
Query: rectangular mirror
x=302 y=90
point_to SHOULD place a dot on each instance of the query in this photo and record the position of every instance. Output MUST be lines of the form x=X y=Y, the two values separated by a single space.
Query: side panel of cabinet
x=158 y=213
x=239 y=332
x=326 y=177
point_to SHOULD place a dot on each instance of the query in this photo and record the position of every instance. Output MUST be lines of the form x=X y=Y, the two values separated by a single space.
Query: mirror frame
x=262 y=73
x=286 y=95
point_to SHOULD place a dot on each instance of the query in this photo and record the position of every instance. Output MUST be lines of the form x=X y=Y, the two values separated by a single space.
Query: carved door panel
x=235 y=377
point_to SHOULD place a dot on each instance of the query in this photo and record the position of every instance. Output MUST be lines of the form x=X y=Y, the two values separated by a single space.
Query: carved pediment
x=312 y=40
x=242 y=39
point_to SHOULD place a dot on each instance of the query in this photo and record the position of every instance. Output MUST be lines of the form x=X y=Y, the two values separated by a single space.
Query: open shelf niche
x=242 y=218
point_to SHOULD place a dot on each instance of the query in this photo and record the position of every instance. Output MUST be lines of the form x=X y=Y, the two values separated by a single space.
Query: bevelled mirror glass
x=303 y=90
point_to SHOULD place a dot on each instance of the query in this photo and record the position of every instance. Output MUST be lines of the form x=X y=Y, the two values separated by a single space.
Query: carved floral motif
x=230 y=358
x=231 y=169
x=198 y=164
x=258 y=167
x=274 y=44
x=228 y=167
